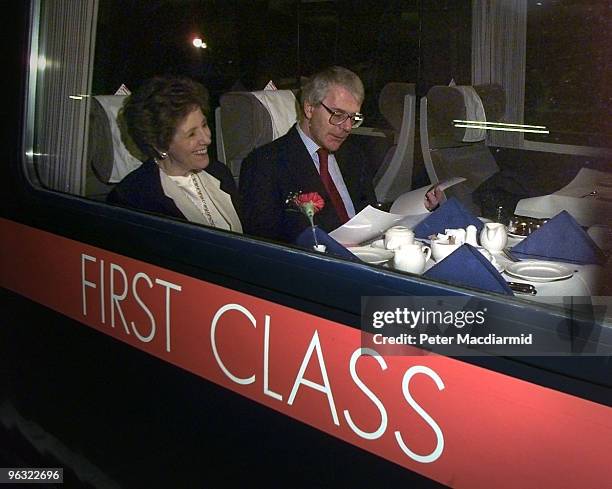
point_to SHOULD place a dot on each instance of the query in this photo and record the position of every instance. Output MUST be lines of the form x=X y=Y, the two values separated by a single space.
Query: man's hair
x=317 y=86
x=153 y=112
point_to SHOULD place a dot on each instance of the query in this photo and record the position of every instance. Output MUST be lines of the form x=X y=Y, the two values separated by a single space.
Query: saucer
x=379 y=244
x=373 y=255
x=539 y=271
x=518 y=237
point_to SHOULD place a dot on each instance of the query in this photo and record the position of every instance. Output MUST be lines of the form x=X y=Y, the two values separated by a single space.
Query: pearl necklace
x=204 y=209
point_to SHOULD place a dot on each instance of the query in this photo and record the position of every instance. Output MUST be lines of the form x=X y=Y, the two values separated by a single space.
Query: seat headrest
x=446 y=103
x=110 y=159
x=252 y=119
x=282 y=107
x=391 y=102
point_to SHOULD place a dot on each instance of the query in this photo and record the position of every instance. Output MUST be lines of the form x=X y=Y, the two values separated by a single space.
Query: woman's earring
x=163 y=155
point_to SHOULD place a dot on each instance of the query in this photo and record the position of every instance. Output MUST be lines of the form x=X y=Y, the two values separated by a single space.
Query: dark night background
x=427 y=42
x=251 y=42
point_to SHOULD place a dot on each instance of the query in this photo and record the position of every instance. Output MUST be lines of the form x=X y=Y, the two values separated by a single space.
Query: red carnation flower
x=309 y=204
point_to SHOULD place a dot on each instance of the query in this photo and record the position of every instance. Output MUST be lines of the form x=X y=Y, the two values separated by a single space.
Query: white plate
x=539 y=271
x=368 y=254
x=430 y=263
x=379 y=244
x=518 y=237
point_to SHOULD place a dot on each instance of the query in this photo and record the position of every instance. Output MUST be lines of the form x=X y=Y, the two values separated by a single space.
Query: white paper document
x=588 y=198
x=367 y=225
x=407 y=210
x=413 y=202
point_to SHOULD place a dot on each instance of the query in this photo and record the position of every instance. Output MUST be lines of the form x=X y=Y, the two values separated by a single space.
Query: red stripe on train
x=459 y=424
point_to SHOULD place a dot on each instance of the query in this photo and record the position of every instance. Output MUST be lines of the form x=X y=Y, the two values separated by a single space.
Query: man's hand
x=433 y=198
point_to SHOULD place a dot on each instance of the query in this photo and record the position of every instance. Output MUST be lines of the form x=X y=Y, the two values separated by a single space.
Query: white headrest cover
x=281 y=105
x=123 y=161
x=474 y=111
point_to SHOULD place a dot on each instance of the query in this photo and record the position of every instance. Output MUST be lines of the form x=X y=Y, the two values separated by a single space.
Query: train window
x=58 y=94
x=567 y=62
x=106 y=48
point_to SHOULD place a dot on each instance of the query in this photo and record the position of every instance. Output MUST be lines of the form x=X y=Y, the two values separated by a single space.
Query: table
x=582 y=283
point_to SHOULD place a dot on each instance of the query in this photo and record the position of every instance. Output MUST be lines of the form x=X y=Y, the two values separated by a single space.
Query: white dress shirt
x=334 y=171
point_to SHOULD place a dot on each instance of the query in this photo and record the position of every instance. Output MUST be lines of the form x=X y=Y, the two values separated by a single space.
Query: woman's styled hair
x=153 y=112
x=317 y=86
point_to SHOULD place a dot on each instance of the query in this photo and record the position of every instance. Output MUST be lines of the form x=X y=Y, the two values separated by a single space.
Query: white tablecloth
x=575 y=198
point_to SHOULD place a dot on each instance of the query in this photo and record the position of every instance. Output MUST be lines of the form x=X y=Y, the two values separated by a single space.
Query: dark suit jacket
x=141 y=189
x=270 y=173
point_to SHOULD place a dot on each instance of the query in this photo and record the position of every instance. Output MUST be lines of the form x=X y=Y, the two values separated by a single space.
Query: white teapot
x=411 y=258
x=397 y=236
x=494 y=236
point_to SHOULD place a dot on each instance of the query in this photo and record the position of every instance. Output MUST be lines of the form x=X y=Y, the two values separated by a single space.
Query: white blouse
x=200 y=198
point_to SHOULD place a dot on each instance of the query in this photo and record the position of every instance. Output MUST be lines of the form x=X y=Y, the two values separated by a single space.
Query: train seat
x=450 y=151
x=108 y=157
x=397 y=103
x=246 y=120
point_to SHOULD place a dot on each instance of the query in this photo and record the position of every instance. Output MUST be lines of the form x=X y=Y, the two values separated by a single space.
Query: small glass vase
x=313 y=228
x=321 y=248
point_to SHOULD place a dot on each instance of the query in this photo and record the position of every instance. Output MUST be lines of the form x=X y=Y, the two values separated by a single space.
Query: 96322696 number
x=31 y=475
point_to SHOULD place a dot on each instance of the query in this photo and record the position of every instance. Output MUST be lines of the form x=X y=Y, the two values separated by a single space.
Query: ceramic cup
x=397 y=236
x=440 y=249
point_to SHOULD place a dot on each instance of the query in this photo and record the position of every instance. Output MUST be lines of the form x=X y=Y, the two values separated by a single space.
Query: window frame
x=391 y=281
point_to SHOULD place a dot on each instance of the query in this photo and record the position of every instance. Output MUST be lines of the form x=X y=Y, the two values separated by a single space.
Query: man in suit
x=314 y=156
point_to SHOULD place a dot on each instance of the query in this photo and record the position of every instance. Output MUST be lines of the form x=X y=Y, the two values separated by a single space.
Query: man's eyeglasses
x=339 y=117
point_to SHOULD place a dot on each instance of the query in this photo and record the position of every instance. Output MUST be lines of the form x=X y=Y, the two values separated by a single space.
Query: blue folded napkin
x=560 y=239
x=306 y=240
x=450 y=215
x=468 y=267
